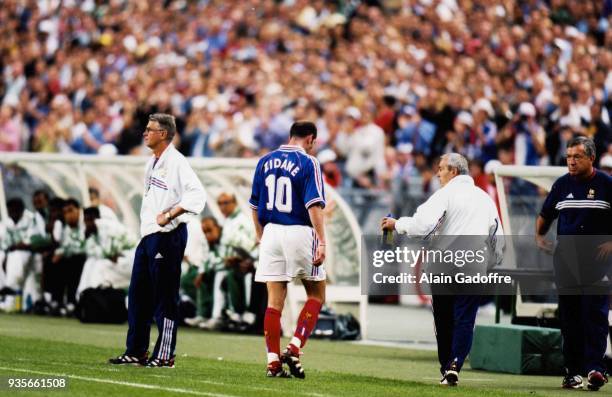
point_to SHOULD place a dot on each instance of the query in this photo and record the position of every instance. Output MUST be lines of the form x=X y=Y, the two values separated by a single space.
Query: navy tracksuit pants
x=584 y=327
x=454 y=318
x=154 y=292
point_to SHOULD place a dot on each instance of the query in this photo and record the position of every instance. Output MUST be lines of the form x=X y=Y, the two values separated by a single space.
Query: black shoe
x=572 y=382
x=293 y=361
x=275 y=370
x=156 y=362
x=129 y=359
x=451 y=375
x=596 y=380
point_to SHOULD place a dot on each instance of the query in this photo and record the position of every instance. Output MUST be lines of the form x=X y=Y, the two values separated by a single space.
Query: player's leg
x=277 y=292
x=443 y=312
x=595 y=309
x=166 y=273
x=31 y=287
x=74 y=271
x=571 y=318
x=465 y=309
x=307 y=320
x=140 y=309
x=273 y=271
x=218 y=301
x=16 y=262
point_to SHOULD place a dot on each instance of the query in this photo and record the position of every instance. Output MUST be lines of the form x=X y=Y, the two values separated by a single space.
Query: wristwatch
x=168 y=216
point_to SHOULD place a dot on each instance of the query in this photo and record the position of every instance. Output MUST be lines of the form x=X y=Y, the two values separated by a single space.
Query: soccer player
x=287 y=202
x=171 y=189
x=580 y=200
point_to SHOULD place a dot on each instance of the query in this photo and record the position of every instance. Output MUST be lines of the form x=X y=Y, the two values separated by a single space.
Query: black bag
x=336 y=326
x=102 y=305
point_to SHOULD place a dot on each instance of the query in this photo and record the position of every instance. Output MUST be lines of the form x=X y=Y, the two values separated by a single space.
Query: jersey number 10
x=279 y=193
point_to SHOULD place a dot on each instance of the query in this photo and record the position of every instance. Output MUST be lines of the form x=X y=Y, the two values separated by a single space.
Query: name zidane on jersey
x=441 y=278
x=286 y=165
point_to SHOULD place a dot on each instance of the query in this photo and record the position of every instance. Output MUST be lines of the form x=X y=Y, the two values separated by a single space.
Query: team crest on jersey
x=591 y=194
x=162 y=173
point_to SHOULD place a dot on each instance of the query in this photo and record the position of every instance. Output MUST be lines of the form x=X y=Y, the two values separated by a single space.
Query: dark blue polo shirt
x=582 y=206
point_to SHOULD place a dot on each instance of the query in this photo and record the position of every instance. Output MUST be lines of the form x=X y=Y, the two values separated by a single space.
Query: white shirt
x=460 y=208
x=169 y=182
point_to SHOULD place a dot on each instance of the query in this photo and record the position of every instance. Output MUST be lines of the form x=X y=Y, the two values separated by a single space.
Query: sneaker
x=276 y=370
x=156 y=362
x=293 y=361
x=194 y=321
x=452 y=374
x=596 y=380
x=129 y=359
x=572 y=382
x=212 y=324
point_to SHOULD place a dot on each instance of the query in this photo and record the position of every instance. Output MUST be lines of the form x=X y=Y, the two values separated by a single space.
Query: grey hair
x=457 y=161
x=589 y=145
x=166 y=122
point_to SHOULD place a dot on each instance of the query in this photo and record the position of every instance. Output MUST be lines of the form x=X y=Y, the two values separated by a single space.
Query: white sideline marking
x=116 y=382
x=216 y=383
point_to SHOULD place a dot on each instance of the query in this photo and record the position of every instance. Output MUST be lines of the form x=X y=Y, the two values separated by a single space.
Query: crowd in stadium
x=58 y=252
x=391 y=84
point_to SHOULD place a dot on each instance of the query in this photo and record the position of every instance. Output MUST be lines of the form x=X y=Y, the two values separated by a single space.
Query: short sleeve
x=256 y=188
x=549 y=210
x=314 y=192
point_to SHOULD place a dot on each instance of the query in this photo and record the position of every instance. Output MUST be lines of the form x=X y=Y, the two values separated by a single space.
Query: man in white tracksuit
x=458 y=208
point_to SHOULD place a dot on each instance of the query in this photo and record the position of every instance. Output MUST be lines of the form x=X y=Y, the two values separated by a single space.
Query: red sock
x=272 y=330
x=305 y=325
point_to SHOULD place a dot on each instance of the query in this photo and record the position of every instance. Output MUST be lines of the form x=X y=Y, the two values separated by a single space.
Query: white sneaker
x=232 y=315
x=210 y=324
x=195 y=321
x=8 y=305
x=249 y=318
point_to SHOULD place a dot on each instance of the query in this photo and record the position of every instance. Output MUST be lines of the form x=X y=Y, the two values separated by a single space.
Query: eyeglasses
x=149 y=129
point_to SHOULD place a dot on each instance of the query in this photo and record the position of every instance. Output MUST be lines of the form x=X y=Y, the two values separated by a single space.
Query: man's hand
x=162 y=219
x=56 y=258
x=319 y=255
x=605 y=250
x=388 y=224
x=544 y=244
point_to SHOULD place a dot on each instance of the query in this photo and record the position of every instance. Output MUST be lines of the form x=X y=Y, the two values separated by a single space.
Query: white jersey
x=22 y=231
x=460 y=208
x=169 y=182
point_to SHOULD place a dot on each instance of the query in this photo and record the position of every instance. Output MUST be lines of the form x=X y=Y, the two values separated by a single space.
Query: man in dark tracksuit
x=581 y=202
x=171 y=189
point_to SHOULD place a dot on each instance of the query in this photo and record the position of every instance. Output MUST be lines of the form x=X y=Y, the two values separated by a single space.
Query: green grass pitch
x=226 y=365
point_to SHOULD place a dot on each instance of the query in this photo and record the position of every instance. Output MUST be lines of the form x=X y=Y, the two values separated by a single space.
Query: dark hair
x=56 y=202
x=166 y=122
x=212 y=219
x=303 y=129
x=72 y=201
x=589 y=145
x=16 y=203
x=41 y=191
x=92 y=211
x=94 y=192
